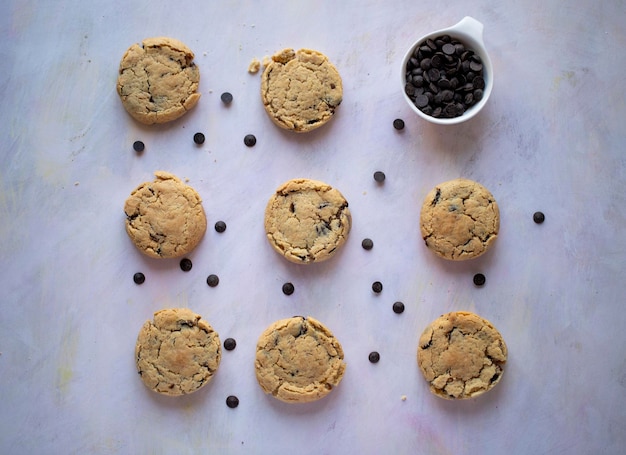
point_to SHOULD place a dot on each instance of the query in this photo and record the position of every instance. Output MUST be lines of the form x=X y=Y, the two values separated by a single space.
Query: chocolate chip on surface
x=398 y=307
x=288 y=288
x=198 y=138
x=367 y=244
x=374 y=357
x=398 y=124
x=139 y=278
x=230 y=344
x=379 y=176
x=138 y=146
x=377 y=287
x=212 y=280
x=220 y=226
x=186 y=264
x=232 y=401
x=479 y=279
x=249 y=140
x=539 y=217
x=226 y=98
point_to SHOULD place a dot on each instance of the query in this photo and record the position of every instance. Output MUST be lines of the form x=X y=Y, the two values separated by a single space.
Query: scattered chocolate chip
x=185 y=264
x=139 y=278
x=398 y=307
x=138 y=146
x=212 y=280
x=288 y=288
x=398 y=124
x=226 y=98
x=367 y=244
x=198 y=138
x=232 y=401
x=479 y=279
x=539 y=217
x=379 y=176
x=220 y=226
x=377 y=287
x=249 y=140
x=230 y=344
x=374 y=357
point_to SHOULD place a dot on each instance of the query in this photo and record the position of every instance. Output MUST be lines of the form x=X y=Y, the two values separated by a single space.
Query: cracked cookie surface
x=298 y=360
x=307 y=220
x=158 y=80
x=177 y=353
x=165 y=218
x=459 y=219
x=300 y=90
x=461 y=355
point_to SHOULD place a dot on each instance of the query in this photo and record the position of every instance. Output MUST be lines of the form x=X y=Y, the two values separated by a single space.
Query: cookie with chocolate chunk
x=177 y=353
x=459 y=220
x=461 y=355
x=298 y=360
x=307 y=221
x=165 y=218
x=300 y=90
x=158 y=80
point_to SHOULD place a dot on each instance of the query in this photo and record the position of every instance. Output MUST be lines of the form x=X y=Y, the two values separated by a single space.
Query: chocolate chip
x=377 y=287
x=398 y=124
x=185 y=264
x=249 y=140
x=213 y=280
x=421 y=101
x=374 y=357
x=539 y=217
x=226 y=98
x=367 y=244
x=379 y=176
x=479 y=279
x=448 y=49
x=230 y=344
x=198 y=138
x=138 y=146
x=232 y=401
x=288 y=288
x=220 y=226
x=139 y=278
x=398 y=307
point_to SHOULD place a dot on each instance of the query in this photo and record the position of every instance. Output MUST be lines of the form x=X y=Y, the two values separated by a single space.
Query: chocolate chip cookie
x=461 y=355
x=165 y=218
x=300 y=90
x=307 y=221
x=298 y=360
x=459 y=220
x=177 y=353
x=158 y=80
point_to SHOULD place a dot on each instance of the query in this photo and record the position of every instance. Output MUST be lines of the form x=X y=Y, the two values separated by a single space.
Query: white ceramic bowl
x=470 y=32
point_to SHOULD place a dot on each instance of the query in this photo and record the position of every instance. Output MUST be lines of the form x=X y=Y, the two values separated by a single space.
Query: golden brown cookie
x=298 y=360
x=461 y=355
x=459 y=219
x=300 y=90
x=307 y=220
x=158 y=80
x=177 y=353
x=165 y=218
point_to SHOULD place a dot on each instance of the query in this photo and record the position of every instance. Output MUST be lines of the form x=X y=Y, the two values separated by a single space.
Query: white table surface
x=551 y=138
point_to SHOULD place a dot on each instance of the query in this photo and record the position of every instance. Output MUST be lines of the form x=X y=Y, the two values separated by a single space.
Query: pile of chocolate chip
x=444 y=78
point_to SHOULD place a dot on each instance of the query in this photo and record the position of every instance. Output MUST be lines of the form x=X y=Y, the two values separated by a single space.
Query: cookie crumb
x=255 y=66
x=266 y=61
x=403 y=397
x=76 y=183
